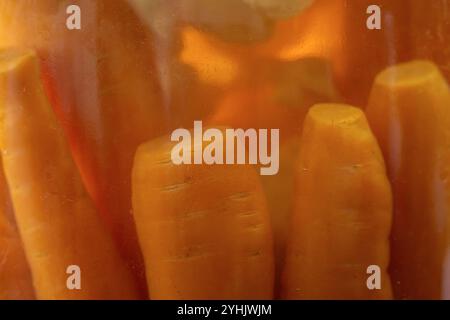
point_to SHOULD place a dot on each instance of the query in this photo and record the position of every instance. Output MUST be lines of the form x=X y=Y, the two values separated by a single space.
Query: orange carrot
x=56 y=218
x=409 y=111
x=204 y=229
x=15 y=277
x=430 y=32
x=342 y=215
x=279 y=99
x=363 y=52
x=102 y=83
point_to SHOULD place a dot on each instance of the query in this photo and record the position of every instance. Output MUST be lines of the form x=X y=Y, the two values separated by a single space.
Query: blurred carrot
x=102 y=83
x=342 y=215
x=231 y=20
x=362 y=52
x=430 y=32
x=15 y=277
x=56 y=218
x=277 y=94
x=305 y=34
x=204 y=229
x=409 y=111
x=256 y=107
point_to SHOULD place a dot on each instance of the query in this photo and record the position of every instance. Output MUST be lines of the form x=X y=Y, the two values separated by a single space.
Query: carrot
x=410 y=115
x=204 y=230
x=306 y=34
x=197 y=49
x=102 y=83
x=430 y=32
x=342 y=211
x=56 y=218
x=15 y=277
x=278 y=99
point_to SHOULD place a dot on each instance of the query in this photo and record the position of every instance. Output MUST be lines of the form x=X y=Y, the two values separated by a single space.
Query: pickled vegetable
x=56 y=218
x=342 y=210
x=280 y=98
x=102 y=83
x=197 y=246
x=409 y=111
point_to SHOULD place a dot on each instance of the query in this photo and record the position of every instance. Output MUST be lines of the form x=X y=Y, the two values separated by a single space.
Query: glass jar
x=238 y=149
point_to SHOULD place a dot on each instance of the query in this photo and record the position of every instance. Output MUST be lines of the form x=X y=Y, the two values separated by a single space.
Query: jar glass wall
x=238 y=149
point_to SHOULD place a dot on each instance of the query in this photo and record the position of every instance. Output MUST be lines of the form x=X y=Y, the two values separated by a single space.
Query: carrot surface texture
x=56 y=218
x=409 y=111
x=204 y=229
x=15 y=277
x=342 y=210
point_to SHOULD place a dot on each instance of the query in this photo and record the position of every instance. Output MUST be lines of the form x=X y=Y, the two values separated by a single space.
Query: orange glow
x=212 y=65
x=308 y=34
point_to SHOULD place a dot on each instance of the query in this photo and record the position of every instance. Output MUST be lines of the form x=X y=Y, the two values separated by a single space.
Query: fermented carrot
x=342 y=210
x=56 y=218
x=204 y=229
x=279 y=98
x=257 y=108
x=102 y=82
x=409 y=111
x=429 y=32
x=15 y=277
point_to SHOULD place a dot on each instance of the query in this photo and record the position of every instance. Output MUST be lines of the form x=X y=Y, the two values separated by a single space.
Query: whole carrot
x=409 y=111
x=204 y=229
x=342 y=210
x=56 y=218
x=15 y=277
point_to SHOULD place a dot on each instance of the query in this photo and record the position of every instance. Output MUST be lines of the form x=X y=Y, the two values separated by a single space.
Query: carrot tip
x=408 y=74
x=336 y=114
